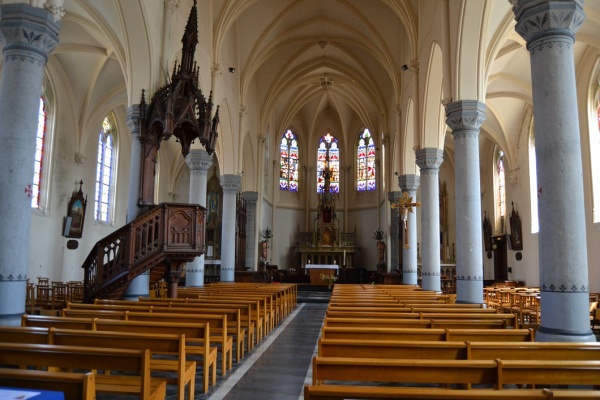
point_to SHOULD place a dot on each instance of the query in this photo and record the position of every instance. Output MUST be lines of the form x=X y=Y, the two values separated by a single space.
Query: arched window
x=501 y=194
x=288 y=164
x=39 y=155
x=328 y=155
x=105 y=172
x=365 y=162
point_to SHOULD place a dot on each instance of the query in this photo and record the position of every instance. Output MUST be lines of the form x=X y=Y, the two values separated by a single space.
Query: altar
x=317 y=271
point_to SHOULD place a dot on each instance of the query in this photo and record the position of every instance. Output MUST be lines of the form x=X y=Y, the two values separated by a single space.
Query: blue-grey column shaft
x=393 y=197
x=198 y=162
x=410 y=183
x=140 y=285
x=29 y=34
x=549 y=28
x=230 y=184
x=251 y=245
x=429 y=161
x=465 y=118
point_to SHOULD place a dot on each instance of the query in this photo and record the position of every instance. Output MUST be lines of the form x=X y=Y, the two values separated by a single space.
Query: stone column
x=198 y=162
x=465 y=118
x=429 y=161
x=549 y=28
x=140 y=285
x=29 y=34
x=251 y=245
x=393 y=197
x=409 y=184
x=230 y=184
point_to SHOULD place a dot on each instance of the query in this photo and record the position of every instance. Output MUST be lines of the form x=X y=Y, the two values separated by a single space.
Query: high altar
x=326 y=244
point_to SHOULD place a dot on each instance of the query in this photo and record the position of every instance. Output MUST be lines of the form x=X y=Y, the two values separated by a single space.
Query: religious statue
x=405 y=204
x=379 y=235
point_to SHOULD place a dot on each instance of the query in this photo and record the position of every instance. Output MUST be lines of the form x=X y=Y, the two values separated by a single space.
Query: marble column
x=465 y=118
x=198 y=162
x=410 y=183
x=29 y=34
x=429 y=161
x=393 y=197
x=549 y=28
x=230 y=184
x=251 y=244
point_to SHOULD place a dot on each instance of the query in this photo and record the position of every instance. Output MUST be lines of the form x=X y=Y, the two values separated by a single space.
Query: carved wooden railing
x=167 y=234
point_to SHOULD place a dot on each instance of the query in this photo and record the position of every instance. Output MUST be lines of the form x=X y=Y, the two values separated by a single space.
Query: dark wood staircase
x=160 y=240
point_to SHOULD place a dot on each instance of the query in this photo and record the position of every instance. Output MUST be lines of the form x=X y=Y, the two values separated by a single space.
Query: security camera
x=404 y=67
x=231 y=69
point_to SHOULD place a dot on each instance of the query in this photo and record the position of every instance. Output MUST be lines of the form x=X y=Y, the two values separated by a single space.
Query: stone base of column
x=564 y=309
x=409 y=278
x=227 y=274
x=12 y=302
x=470 y=292
x=139 y=287
x=194 y=279
x=432 y=282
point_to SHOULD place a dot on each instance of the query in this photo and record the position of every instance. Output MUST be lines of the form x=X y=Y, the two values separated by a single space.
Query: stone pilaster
x=429 y=161
x=549 y=28
x=251 y=244
x=393 y=197
x=230 y=184
x=29 y=34
x=465 y=118
x=409 y=184
x=198 y=161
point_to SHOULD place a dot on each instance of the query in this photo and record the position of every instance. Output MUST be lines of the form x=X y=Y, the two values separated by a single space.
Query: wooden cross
x=406 y=204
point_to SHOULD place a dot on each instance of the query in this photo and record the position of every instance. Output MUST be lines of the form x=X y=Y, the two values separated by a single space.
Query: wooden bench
x=477 y=335
x=464 y=323
x=76 y=386
x=342 y=392
x=88 y=358
x=509 y=320
x=19 y=334
x=197 y=337
x=42 y=321
x=492 y=373
x=218 y=330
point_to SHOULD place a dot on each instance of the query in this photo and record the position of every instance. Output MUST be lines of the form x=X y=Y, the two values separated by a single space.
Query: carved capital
x=465 y=115
x=429 y=158
x=216 y=70
x=537 y=19
x=231 y=183
x=250 y=198
x=79 y=158
x=57 y=11
x=409 y=183
x=171 y=5
x=198 y=160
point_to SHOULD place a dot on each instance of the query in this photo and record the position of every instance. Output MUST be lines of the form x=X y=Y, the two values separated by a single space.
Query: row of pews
x=400 y=342
x=118 y=346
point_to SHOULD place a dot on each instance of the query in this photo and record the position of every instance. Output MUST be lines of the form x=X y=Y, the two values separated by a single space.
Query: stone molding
x=541 y=18
x=429 y=158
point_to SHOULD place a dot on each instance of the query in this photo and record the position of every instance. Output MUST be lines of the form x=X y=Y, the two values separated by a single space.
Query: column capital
x=171 y=5
x=198 y=160
x=409 y=182
x=537 y=19
x=250 y=198
x=28 y=32
x=231 y=182
x=133 y=118
x=465 y=117
x=429 y=158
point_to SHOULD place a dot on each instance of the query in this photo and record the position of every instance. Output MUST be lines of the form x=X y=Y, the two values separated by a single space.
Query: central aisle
x=278 y=368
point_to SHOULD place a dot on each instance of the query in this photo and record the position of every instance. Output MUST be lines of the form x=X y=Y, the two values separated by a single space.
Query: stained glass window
x=328 y=145
x=39 y=155
x=501 y=204
x=104 y=172
x=365 y=161
x=288 y=167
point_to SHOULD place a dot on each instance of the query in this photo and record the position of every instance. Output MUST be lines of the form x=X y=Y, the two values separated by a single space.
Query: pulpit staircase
x=160 y=241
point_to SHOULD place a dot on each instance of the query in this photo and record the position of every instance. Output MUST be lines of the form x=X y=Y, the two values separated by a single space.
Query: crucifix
x=405 y=204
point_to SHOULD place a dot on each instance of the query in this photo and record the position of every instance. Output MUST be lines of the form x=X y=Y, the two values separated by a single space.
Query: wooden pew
x=493 y=373
x=88 y=358
x=342 y=392
x=42 y=321
x=477 y=335
x=158 y=344
x=464 y=323
x=19 y=334
x=218 y=324
x=74 y=386
x=509 y=320
x=197 y=337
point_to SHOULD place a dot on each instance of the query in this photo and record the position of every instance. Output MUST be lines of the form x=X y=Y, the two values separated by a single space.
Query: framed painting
x=73 y=222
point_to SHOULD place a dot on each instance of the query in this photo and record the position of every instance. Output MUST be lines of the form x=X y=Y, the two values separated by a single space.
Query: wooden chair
x=43 y=281
x=530 y=309
x=59 y=295
x=30 y=298
x=76 y=293
x=43 y=297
